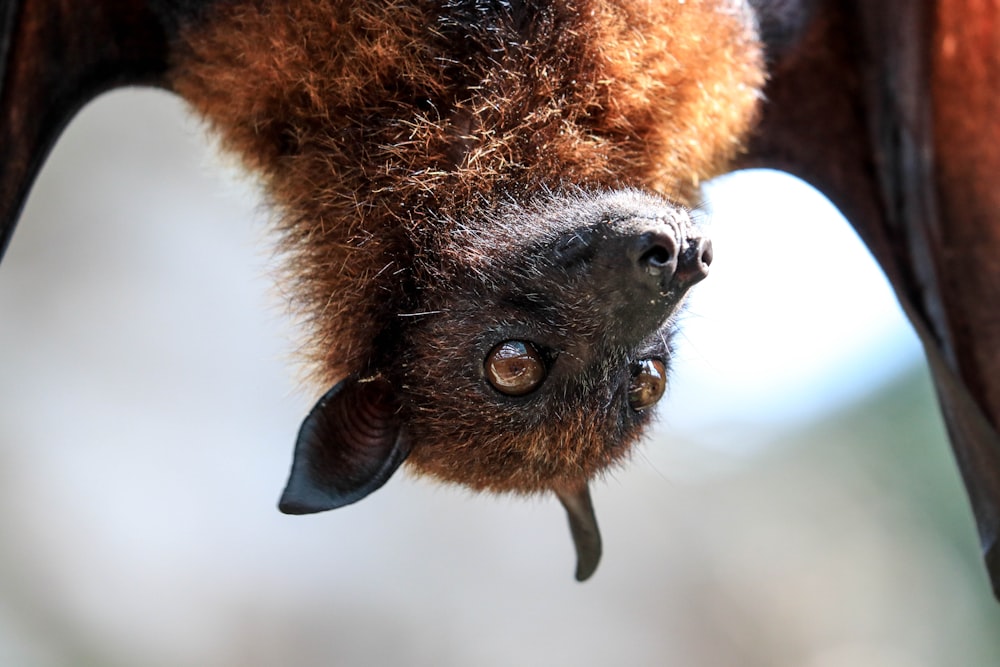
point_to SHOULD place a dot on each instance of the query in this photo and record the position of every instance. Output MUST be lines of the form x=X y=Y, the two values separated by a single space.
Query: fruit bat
x=483 y=203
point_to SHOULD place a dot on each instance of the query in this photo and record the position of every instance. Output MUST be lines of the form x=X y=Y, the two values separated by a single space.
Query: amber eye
x=649 y=379
x=515 y=368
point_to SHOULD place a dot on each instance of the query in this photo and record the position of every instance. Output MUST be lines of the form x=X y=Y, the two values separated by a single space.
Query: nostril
x=657 y=259
x=694 y=262
x=657 y=253
x=706 y=252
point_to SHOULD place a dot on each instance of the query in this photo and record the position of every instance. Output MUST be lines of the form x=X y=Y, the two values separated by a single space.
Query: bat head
x=488 y=295
x=539 y=345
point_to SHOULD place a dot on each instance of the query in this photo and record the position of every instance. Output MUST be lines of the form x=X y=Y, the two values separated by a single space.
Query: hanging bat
x=449 y=173
x=483 y=206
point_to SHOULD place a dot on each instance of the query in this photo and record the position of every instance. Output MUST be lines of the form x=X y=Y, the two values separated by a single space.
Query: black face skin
x=584 y=291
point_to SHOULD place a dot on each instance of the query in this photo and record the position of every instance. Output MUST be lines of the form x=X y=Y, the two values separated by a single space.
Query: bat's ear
x=349 y=445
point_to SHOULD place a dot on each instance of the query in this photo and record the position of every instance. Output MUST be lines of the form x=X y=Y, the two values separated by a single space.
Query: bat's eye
x=515 y=368
x=649 y=379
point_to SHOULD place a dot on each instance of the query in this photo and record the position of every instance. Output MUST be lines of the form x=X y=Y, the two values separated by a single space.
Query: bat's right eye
x=649 y=380
x=515 y=368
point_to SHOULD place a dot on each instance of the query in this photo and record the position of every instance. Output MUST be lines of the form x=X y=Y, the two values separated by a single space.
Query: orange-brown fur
x=374 y=123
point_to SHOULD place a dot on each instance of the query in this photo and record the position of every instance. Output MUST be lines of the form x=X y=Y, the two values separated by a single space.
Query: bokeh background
x=797 y=504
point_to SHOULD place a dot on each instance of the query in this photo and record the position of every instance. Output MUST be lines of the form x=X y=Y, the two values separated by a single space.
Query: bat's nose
x=661 y=260
x=692 y=267
x=655 y=255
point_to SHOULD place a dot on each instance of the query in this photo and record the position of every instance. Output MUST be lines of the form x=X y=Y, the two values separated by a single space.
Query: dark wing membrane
x=894 y=113
x=8 y=19
x=56 y=56
x=7 y=15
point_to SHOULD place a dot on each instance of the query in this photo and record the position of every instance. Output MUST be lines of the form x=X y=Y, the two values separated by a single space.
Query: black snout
x=626 y=261
x=694 y=261
x=660 y=261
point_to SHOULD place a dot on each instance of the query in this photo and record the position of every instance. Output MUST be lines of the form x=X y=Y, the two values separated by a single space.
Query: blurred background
x=797 y=504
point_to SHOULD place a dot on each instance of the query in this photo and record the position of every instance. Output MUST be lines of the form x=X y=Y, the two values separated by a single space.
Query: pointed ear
x=348 y=446
x=583 y=526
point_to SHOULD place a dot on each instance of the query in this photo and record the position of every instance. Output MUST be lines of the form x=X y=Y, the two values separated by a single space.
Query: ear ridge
x=349 y=445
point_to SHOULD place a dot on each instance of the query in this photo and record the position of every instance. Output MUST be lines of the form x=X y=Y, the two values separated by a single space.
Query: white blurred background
x=796 y=506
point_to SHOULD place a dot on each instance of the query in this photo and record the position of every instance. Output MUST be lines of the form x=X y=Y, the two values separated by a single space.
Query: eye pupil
x=515 y=368
x=649 y=380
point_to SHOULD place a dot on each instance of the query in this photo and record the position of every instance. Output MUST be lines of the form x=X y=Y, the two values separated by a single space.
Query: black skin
x=847 y=110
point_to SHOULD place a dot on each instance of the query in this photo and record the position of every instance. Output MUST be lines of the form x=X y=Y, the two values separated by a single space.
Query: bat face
x=551 y=335
x=531 y=362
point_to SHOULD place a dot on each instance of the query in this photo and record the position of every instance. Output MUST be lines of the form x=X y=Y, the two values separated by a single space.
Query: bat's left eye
x=649 y=380
x=515 y=368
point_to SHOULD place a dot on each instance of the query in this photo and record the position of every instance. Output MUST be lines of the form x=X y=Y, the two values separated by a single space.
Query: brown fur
x=385 y=130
